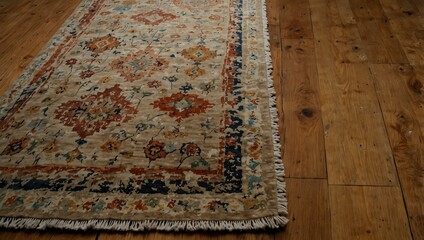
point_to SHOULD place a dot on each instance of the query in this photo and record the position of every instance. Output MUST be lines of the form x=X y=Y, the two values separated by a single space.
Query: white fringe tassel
x=188 y=225
x=279 y=167
x=125 y=225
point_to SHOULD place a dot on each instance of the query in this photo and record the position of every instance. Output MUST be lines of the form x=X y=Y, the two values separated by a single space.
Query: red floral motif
x=87 y=205
x=71 y=62
x=155 y=150
x=199 y=53
x=101 y=44
x=254 y=150
x=154 y=84
x=10 y=200
x=171 y=203
x=140 y=205
x=116 y=204
x=86 y=74
x=15 y=146
x=153 y=17
x=140 y=64
x=96 y=112
x=182 y=106
x=190 y=149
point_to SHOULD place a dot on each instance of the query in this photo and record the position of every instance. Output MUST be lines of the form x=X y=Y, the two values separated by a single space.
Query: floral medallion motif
x=154 y=17
x=15 y=146
x=139 y=64
x=157 y=149
x=181 y=106
x=96 y=112
x=194 y=72
x=101 y=44
x=199 y=53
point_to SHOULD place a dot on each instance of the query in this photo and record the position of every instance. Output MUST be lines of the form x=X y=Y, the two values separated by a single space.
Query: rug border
x=278 y=160
x=277 y=221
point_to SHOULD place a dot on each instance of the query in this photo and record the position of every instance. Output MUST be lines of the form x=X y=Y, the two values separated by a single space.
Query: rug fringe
x=279 y=167
x=188 y=225
x=125 y=225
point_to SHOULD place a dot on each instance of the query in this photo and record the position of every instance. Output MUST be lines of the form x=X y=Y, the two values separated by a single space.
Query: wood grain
x=367 y=9
x=357 y=153
x=72 y=235
x=27 y=235
x=340 y=34
x=26 y=27
x=297 y=20
x=302 y=112
x=410 y=32
x=357 y=148
x=368 y=213
x=396 y=8
x=382 y=46
x=406 y=138
x=309 y=210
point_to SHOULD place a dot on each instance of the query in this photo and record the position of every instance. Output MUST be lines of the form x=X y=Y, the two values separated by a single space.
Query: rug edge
x=279 y=166
x=128 y=225
x=276 y=221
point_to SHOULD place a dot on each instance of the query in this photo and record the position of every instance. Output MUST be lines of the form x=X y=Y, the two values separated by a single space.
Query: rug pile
x=153 y=114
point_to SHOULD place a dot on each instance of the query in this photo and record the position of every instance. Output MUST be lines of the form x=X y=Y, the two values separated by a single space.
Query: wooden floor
x=350 y=79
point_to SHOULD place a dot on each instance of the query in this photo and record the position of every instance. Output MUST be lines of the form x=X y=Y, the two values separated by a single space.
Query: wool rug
x=146 y=114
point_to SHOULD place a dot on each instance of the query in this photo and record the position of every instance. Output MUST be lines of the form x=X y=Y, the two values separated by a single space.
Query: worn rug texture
x=146 y=114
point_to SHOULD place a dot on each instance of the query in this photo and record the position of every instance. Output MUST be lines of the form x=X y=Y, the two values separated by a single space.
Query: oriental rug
x=146 y=114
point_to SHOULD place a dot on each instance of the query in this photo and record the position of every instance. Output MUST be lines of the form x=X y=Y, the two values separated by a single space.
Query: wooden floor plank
x=347 y=17
x=419 y=4
x=72 y=235
x=26 y=234
x=245 y=236
x=410 y=32
x=309 y=210
x=5 y=4
x=411 y=79
x=273 y=14
x=382 y=46
x=368 y=213
x=369 y=9
x=156 y=236
x=357 y=147
x=396 y=8
x=20 y=37
x=302 y=112
x=406 y=138
x=296 y=20
x=330 y=28
x=8 y=234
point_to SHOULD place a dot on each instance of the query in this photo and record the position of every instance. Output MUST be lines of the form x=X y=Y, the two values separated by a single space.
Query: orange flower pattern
x=154 y=17
x=181 y=106
x=101 y=44
x=139 y=64
x=199 y=53
x=96 y=112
